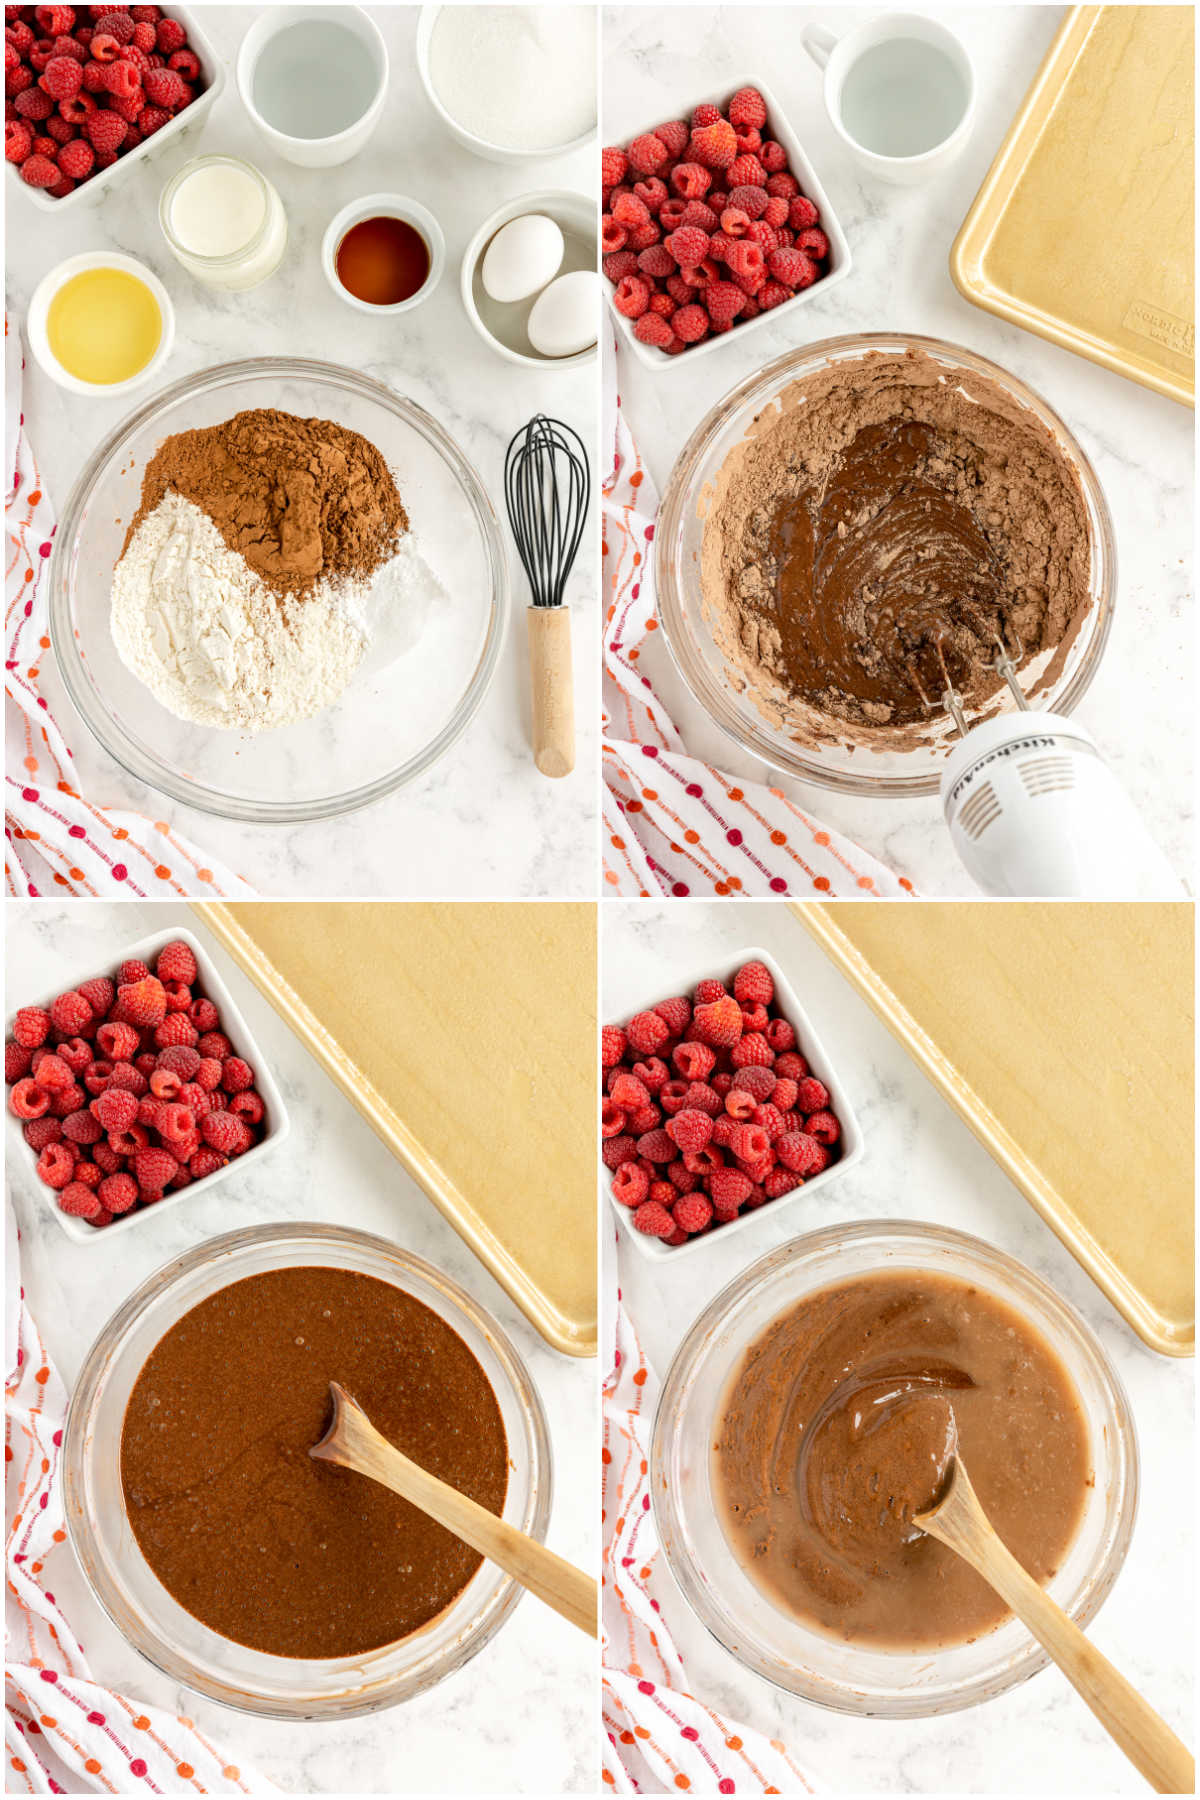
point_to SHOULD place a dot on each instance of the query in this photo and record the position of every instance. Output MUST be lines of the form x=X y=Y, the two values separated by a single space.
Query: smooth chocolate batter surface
x=881 y=513
x=840 y=1424
x=245 y=1530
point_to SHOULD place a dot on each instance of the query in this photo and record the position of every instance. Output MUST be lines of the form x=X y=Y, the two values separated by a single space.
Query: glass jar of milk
x=224 y=222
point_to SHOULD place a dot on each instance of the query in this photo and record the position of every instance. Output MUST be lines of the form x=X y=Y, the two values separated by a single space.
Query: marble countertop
x=521 y=1714
x=1140 y=706
x=482 y=821
x=921 y=1162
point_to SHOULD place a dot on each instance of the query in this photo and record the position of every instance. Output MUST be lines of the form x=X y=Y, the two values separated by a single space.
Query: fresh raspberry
x=662 y=1192
x=78 y=1201
x=781 y=182
x=77 y=1053
x=116 y=22
x=630 y=1184
x=31 y=1026
x=692 y=1213
x=779 y=1182
x=170 y=36
x=206 y=1162
x=772 y=294
x=90 y=1173
x=813 y=243
x=118 y=1193
x=632 y=297
x=752 y=1048
x=18 y=141
x=118 y=1040
x=107 y=1159
x=115 y=1108
x=176 y=963
x=640 y=237
x=52 y=1072
x=612 y=1119
x=165 y=1084
x=723 y=301
x=204 y=1015
x=619 y=264
x=653 y=1074
x=699 y=214
x=613 y=239
x=773 y=158
x=144 y=1002
x=145 y=37
x=249 y=1106
x=673 y=136
x=127 y=1076
x=62 y=78
x=747 y=172
x=652 y=193
x=673 y=1097
x=19 y=80
x=654 y=1219
x=800 y=1152
x=176 y=1123
x=222 y=1131
x=713 y=146
x=653 y=329
x=629 y=211
x=770 y=1118
x=750 y=1143
x=29 y=1101
x=654 y=262
x=792 y=268
x=82 y=1127
x=152 y=119
x=691 y=1129
x=703 y=1098
x=690 y=323
x=97 y=1077
x=657 y=1147
x=35 y=105
x=55 y=1166
x=40 y=1132
x=105 y=48
x=237 y=1074
x=124 y=83
x=705 y=114
x=647 y=1033
x=709 y=990
x=729 y=1187
x=153 y=1167
x=214 y=1043
x=754 y=982
x=132 y=971
x=824 y=1127
x=613 y=165
x=749 y=200
x=673 y=213
x=690 y=180
x=694 y=1061
x=748 y=108
x=61 y=131
x=720 y=1023
x=801 y=213
x=647 y=154
x=55 y=21
x=746 y=264
x=688 y=245
x=627 y=1091
x=17 y=1060
x=680 y=291
x=811 y=1095
x=756 y=1081
x=176 y=1028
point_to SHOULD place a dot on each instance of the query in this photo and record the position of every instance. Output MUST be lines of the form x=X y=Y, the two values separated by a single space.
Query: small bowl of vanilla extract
x=384 y=253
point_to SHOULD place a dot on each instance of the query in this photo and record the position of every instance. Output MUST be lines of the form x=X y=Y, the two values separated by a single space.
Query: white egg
x=564 y=317
x=522 y=257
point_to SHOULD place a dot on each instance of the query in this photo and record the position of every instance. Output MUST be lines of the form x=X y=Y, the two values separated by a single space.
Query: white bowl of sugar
x=512 y=84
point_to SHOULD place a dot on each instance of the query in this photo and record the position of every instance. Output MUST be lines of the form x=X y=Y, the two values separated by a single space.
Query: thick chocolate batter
x=882 y=515
x=840 y=1424
x=245 y=1530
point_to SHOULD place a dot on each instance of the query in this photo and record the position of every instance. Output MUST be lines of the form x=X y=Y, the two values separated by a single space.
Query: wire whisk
x=547 y=486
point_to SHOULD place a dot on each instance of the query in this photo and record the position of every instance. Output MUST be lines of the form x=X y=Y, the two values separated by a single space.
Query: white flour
x=216 y=646
x=523 y=77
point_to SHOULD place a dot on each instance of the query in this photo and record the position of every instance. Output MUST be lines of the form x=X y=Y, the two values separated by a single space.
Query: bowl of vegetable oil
x=101 y=323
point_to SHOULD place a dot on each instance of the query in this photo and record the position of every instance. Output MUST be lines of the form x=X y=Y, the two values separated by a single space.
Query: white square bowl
x=212 y=72
x=813 y=1051
x=837 y=266
x=275 y=1117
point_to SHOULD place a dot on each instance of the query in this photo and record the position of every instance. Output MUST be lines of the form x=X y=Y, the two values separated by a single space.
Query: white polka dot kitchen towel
x=674 y=825
x=57 y=841
x=64 y=1732
x=660 y=1736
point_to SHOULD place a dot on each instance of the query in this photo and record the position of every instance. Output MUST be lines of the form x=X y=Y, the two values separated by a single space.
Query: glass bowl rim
x=679 y=494
x=78 y=1450
x=1059 y=1313
x=146 y=768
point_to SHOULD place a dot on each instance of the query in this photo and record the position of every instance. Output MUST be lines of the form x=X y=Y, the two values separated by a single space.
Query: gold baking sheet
x=1083 y=228
x=466 y=1036
x=1063 y=1034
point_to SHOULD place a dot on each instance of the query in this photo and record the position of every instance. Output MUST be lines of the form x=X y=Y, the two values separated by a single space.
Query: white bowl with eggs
x=542 y=327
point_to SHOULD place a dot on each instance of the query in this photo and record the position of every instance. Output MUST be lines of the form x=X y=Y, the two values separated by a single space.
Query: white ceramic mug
x=899 y=91
x=339 y=146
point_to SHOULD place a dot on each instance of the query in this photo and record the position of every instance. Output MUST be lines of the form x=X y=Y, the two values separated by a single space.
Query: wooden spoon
x=353 y=1443
x=1148 y=1741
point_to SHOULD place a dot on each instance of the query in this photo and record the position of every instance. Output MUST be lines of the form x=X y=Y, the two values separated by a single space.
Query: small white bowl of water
x=314 y=80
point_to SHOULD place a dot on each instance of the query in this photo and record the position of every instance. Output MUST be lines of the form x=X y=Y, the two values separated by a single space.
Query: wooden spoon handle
x=354 y=1443
x=1146 y=1739
x=553 y=689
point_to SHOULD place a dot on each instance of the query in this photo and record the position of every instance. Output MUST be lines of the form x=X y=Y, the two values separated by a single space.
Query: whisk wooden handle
x=553 y=689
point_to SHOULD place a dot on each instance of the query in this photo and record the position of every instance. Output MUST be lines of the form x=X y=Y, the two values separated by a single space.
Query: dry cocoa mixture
x=298 y=499
x=882 y=518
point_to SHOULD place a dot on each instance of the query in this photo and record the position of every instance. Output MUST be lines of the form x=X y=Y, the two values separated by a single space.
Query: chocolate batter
x=244 y=1529
x=882 y=513
x=839 y=1425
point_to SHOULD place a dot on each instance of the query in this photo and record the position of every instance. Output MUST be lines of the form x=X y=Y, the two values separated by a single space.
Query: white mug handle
x=819 y=43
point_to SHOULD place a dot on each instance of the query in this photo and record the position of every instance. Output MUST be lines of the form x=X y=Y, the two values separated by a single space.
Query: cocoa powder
x=299 y=499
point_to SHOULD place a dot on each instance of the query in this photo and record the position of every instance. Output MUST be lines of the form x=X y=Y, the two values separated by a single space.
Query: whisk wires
x=547 y=486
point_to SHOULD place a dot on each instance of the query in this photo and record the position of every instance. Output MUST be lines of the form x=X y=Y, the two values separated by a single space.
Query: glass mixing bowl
x=847 y=1677
x=388 y=726
x=839 y=763
x=139 y=1605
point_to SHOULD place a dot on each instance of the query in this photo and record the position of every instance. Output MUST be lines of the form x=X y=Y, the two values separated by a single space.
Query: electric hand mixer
x=1034 y=811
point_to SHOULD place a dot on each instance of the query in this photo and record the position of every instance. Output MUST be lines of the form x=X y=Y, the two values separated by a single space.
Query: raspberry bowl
x=799 y=165
x=825 y=754
x=275 y=1120
x=141 y=1608
x=850 y=1146
x=394 y=721
x=829 y=1671
x=211 y=84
